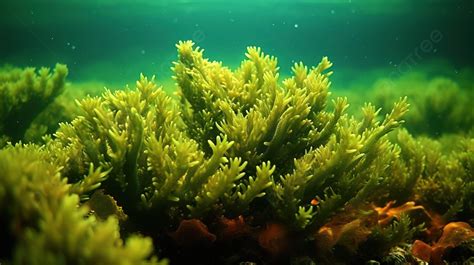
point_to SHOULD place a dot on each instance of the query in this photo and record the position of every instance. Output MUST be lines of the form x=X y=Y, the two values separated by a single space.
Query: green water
x=242 y=171
x=113 y=41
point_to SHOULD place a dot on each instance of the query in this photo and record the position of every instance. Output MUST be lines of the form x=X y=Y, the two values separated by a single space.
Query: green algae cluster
x=24 y=93
x=440 y=103
x=238 y=167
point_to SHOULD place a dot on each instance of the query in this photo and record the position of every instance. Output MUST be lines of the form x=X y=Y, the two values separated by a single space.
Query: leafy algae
x=238 y=167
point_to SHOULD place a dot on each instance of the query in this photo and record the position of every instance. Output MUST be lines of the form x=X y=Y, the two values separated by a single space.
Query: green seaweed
x=24 y=94
x=237 y=164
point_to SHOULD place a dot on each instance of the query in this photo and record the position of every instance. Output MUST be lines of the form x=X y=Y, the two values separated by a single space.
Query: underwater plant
x=62 y=109
x=43 y=223
x=439 y=102
x=446 y=182
x=236 y=131
x=238 y=167
x=24 y=93
x=440 y=105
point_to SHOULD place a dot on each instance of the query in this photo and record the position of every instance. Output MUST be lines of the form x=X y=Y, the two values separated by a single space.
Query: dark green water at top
x=113 y=41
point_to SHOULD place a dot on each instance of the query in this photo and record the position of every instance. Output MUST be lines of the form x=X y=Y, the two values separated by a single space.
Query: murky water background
x=113 y=41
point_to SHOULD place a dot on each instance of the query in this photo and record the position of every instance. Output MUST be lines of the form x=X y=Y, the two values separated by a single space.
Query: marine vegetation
x=439 y=105
x=43 y=221
x=34 y=102
x=24 y=94
x=237 y=168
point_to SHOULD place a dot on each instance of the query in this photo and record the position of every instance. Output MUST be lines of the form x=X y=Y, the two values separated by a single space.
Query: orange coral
x=421 y=250
x=417 y=213
x=349 y=228
x=349 y=234
x=453 y=235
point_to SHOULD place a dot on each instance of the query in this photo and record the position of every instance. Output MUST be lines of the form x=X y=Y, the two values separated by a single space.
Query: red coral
x=233 y=228
x=274 y=239
x=191 y=233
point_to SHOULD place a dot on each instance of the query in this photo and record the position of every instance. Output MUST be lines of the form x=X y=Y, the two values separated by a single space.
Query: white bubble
x=296 y=26
x=73 y=47
x=333 y=12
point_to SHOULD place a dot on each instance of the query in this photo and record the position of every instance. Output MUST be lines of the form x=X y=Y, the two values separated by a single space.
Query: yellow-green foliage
x=24 y=93
x=446 y=173
x=46 y=224
x=439 y=105
x=235 y=142
x=236 y=136
x=62 y=109
x=316 y=152
x=139 y=137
